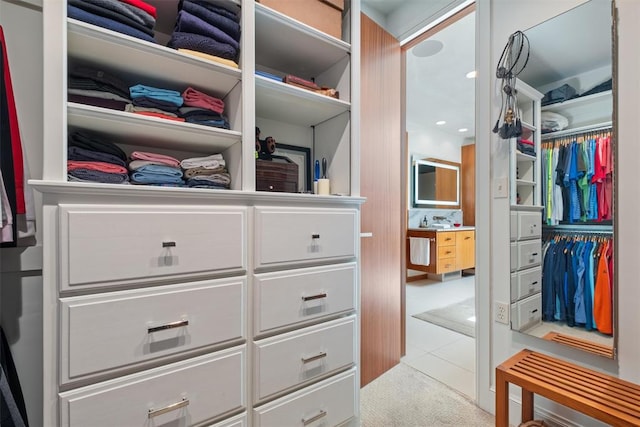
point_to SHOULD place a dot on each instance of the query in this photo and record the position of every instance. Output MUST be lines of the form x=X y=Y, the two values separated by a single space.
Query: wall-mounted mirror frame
x=435 y=183
x=565 y=288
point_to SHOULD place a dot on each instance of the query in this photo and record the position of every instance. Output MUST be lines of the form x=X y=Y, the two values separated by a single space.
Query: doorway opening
x=439 y=286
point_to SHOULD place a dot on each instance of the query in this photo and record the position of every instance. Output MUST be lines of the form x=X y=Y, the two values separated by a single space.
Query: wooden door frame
x=404 y=168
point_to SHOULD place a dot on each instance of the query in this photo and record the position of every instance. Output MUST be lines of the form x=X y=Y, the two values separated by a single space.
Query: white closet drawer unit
x=290 y=359
x=329 y=403
x=303 y=235
x=513 y=256
x=108 y=331
x=529 y=225
x=525 y=283
x=293 y=296
x=101 y=244
x=181 y=394
x=237 y=421
x=513 y=223
x=529 y=253
x=526 y=313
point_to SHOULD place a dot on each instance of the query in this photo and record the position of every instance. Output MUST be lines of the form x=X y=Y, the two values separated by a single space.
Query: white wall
x=438 y=145
x=496 y=342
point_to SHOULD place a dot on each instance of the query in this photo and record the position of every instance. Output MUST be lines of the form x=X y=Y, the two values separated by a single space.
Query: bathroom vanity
x=451 y=250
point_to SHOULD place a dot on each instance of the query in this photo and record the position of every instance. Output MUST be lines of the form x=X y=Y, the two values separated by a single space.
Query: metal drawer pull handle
x=448 y=252
x=168 y=244
x=178 y=324
x=318 y=356
x=534 y=254
x=315 y=236
x=534 y=283
x=314 y=418
x=467 y=238
x=312 y=297
x=155 y=412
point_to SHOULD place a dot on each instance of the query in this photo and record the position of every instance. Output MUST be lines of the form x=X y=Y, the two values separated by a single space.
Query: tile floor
x=440 y=353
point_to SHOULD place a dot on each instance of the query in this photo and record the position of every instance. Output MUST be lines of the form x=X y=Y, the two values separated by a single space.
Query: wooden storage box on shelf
x=276 y=176
x=323 y=15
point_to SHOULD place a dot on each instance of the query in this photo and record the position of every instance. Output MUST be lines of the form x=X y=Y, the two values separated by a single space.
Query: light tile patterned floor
x=440 y=353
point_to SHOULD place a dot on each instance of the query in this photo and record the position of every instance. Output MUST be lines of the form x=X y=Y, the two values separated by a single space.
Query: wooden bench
x=601 y=396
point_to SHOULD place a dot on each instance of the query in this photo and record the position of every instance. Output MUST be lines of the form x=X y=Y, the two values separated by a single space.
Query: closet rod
x=577 y=131
x=578 y=229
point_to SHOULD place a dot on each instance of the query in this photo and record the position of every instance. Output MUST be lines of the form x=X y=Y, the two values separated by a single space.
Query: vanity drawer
x=299 y=235
x=525 y=283
x=192 y=391
x=289 y=297
x=446 y=238
x=290 y=359
x=529 y=253
x=526 y=313
x=107 y=244
x=447 y=265
x=109 y=331
x=446 y=252
x=331 y=402
x=529 y=225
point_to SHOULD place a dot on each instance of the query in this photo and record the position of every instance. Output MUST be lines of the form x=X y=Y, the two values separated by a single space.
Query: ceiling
x=437 y=88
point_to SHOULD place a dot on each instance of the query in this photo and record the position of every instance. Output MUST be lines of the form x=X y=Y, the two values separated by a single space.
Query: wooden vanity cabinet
x=448 y=250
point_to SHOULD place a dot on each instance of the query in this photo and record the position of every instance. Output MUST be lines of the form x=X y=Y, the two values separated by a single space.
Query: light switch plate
x=500 y=188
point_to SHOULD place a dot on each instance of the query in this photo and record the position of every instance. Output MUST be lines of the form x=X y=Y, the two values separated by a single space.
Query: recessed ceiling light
x=427 y=48
x=472 y=74
x=441 y=122
x=463 y=130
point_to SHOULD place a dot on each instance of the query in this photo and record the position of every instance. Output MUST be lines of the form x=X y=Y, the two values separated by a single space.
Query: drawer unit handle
x=534 y=254
x=168 y=244
x=318 y=356
x=448 y=252
x=178 y=324
x=315 y=236
x=155 y=412
x=534 y=283
x=307 y=421
x=312 y=297
x=447 y=239
x=467 y=238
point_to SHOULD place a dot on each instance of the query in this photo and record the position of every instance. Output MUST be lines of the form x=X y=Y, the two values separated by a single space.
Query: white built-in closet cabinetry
x=177 y=306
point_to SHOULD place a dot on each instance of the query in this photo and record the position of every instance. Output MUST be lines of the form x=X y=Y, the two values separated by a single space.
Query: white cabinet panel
x=288 y=297
x=108 y=331
x=192 y=392
x=301 y=235
x=101 y=244
x=237 y=421
x=291 y=359
x=328 y=403
x=525 y=283
x=529 y=225
x=526 y=313
x=529 y=253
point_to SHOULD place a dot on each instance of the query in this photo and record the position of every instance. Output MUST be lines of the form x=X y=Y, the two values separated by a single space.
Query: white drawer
x=513 y=225
x=525 y=283
x=293 y=296
x=210 y=385
x=108 y=331
x=290 y=359
x=513 y=256
x=237 y=421
x=299 y=235
x=526 y=313
x=529 y=225
x=329 y=403
x=529 y=253
x=102 y=244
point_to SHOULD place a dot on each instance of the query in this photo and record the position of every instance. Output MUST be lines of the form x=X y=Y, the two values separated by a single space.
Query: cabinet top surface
x=461 y=228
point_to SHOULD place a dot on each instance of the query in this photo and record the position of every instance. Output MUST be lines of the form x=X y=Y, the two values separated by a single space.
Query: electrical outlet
x=502 y=313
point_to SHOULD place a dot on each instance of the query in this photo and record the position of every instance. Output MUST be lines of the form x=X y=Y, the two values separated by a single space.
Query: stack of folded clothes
x=92 y=160
x=155 y=169
x=526 y=146
x=206 y=30
x=203 y=109
x=134 y=18
x=157 y=102
x=206 y=172
x=87 y=85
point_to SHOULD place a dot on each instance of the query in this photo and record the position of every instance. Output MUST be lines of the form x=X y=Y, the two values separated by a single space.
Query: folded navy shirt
x=109 y=24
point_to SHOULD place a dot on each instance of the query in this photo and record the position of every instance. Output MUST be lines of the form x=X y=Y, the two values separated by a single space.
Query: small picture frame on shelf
x=300 y=156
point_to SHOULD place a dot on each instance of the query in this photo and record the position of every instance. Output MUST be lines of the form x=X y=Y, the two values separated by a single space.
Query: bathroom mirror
x=564 y=288
x=435 y=183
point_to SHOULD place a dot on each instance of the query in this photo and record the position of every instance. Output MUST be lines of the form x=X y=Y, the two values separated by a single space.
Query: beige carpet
x=405 y=397
x=459 y=317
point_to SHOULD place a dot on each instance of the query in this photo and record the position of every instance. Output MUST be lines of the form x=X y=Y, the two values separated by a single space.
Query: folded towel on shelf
x=213 y=16
x=81 y=154
x=195 y=98
x=202 y=44
x=156 y=158
x=109 y=24
x=217 y=178
x=82 y=140
x=89 y=175
x=157 y=174
x=167 y=95
x=108 y=13
x=214 y=58
x=419 y=250
x=140 y=4
x=188 y=23
x=96 y=166
x=199 y=171
x=132 y=13
x=209 y=162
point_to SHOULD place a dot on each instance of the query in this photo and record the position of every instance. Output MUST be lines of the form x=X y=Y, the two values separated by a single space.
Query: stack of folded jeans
x=92 y=160
x=134 y=18
x=93 y=86
x=207 y=29
x=203 y=109
x=206 y=172
x=155 y=169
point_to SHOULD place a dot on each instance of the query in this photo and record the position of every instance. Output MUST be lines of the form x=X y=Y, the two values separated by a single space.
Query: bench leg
x=527 y=405
x=502 y=400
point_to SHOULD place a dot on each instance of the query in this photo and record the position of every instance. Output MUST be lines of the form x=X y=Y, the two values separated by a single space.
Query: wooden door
x=380 y=178
x=468 y=184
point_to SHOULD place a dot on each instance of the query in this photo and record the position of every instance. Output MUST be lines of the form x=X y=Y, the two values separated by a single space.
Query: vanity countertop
x=461 y=228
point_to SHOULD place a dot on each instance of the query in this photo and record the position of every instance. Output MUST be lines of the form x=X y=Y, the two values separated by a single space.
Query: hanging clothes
x=13 y=412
